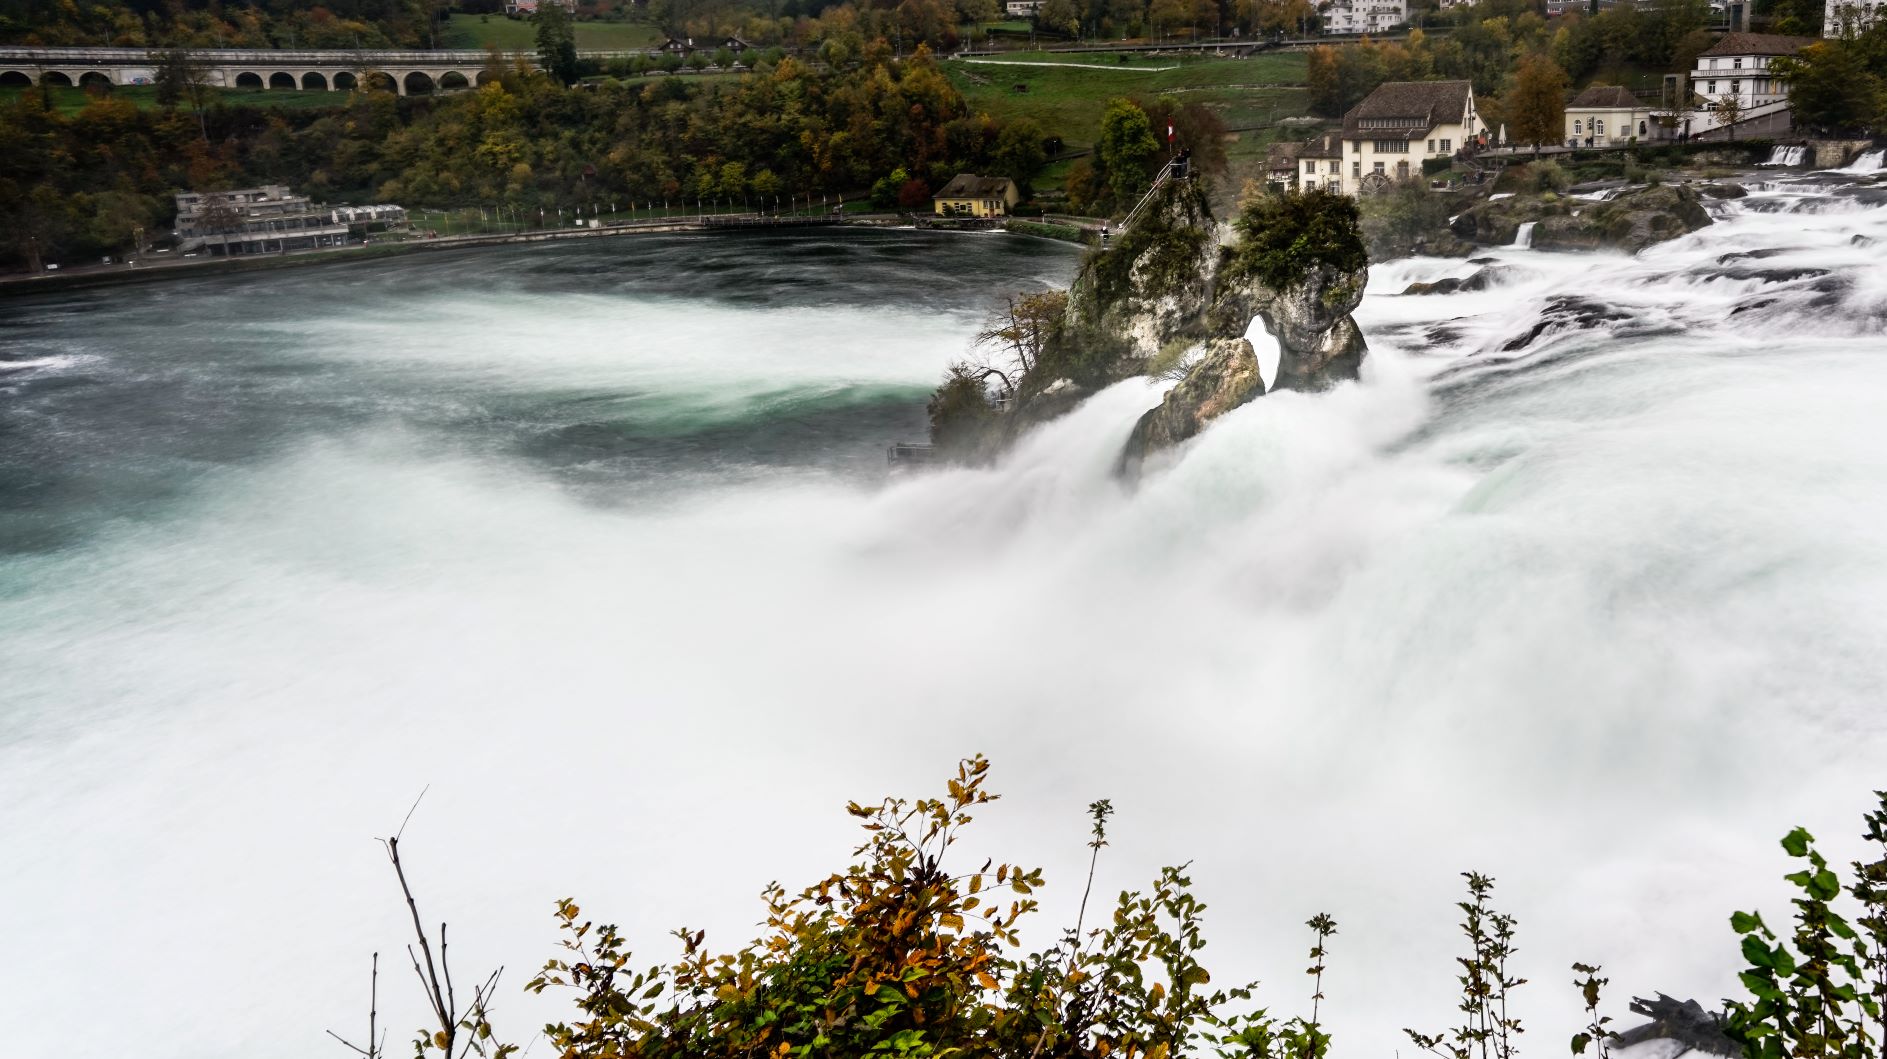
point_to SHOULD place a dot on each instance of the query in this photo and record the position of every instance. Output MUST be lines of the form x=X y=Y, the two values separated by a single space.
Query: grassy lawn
x=1068 y=100
x=70 y=100
x=517 y=34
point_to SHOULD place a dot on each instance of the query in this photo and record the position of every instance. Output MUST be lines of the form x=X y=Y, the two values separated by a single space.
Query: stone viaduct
x=405 y=72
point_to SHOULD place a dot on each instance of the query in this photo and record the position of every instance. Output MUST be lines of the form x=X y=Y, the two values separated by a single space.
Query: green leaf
x=1795 y=843
x=1756 y=952
x=1579 y=1042
x=1745 y=922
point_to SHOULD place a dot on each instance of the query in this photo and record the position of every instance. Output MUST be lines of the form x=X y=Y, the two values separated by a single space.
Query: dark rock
x=1683 y=1021
x=1752 y=255
x=1568 y=312
x=1480 y=280
x=1634 y=220
x=1723 y=191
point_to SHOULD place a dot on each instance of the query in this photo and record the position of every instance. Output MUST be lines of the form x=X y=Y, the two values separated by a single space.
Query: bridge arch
x=281 y=79
x=453 y=81
x=248 y=80
x=484 y=77
x=58 y=78
x=419 y=83
x=314 y=82
x=15 y=79
x=379 y=81
x=97 y=78
x=345 y=81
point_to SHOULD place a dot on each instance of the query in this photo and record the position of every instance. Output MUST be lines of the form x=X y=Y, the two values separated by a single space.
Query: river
x=594 y=544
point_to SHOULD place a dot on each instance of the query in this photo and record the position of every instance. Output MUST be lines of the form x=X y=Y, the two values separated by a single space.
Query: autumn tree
x=1833 y=84
x=1536 y=108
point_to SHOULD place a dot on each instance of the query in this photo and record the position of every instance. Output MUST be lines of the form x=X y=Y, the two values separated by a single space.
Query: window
x=1431 y=147
x=1310 y=167
x=1356 y=168
x=1713 y=64
x=1379 y=167
x=1641 y=128
x=1577 y=129
x=1736 y=64
x=1445 y=146
x=1711 y=88
x=1598 y=126
x=1335 y=167
x=1736 y=87
x=1392 y=147
x=1356 y=146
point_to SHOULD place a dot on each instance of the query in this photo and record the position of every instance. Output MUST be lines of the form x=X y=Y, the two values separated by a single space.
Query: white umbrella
x=1503 y=134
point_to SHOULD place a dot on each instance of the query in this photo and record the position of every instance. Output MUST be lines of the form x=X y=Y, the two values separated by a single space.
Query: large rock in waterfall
x=1176 y=287
x=1298 y=265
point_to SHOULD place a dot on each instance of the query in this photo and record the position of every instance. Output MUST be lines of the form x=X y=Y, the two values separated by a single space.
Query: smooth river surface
x=595 y=543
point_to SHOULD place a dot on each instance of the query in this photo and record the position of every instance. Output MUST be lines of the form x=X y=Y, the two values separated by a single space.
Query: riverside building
x=268 y=220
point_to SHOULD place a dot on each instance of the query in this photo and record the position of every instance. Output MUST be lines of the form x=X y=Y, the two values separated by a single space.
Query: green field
x=517 y=34
x=1068 y=99
x=70 y=100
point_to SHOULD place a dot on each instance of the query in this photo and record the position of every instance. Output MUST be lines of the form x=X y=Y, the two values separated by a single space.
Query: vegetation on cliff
x=1285 y=237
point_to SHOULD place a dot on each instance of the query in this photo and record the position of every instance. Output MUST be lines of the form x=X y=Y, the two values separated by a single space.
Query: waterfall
x=1869 y=162
x=1523 y=239
x=1782 y=155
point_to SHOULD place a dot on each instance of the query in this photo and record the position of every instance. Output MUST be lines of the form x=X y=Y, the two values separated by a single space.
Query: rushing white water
x=1523 y=236
x=1781 y=155
x=1582 y=586
x=1868 y=162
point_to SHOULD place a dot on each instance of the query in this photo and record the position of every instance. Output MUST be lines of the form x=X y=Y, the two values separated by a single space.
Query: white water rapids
x=1601 y=614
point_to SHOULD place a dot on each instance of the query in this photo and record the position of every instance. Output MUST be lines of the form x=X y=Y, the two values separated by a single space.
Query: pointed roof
x=971 y=186
x=1428 y=102
x=1759 y=44
x=1605 y=97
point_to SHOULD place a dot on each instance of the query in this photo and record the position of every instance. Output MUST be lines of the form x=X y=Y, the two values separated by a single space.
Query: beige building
x=1738 y=65
x=1388 y=136
x=1604 y=115
x=969 y=195
x=1320 y=163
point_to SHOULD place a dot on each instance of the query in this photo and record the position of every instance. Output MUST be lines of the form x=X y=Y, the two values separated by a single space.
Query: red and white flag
x=1169 y=134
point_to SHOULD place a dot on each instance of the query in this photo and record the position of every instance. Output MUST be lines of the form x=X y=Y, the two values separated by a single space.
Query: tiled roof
x=1605 y=97
x=1429 y=102
x=1759 y=44
x=1327 y=146
x=971 y=186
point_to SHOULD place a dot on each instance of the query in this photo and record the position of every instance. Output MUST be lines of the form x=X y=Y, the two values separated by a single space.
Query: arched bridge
x=405 y=72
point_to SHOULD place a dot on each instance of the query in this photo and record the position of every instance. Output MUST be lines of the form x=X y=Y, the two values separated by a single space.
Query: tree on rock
x=1126 y=150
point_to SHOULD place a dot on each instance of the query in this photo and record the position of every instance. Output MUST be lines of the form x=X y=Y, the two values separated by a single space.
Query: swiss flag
x=1169 y=134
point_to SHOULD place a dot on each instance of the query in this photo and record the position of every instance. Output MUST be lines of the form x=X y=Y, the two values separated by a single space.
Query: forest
x=80 y=184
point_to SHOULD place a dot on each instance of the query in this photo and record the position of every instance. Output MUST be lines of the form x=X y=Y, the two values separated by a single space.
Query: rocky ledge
x=1637 y=218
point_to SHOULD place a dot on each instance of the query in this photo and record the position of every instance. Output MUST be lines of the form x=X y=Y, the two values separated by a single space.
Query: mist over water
x=597 y=542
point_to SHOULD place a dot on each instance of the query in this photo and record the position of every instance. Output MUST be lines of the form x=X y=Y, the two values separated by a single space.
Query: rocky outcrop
x=1636 y=219
x=1319 y=345
x=1224 y=378
x=1685 y=1022
x=1176 y=284
x=1152 y=285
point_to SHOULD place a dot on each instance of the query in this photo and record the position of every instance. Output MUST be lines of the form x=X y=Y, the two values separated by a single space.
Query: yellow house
x=969 y=195
x=1604 y=115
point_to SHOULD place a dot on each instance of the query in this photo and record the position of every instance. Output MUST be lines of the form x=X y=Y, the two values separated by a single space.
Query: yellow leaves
x=439 y=1039
x=1158 y=1052
x=986 y=980
x=1156 y=994
x=951 y=920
